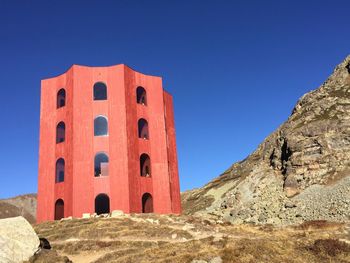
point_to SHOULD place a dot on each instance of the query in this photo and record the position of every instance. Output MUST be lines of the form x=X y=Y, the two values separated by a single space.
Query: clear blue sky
x=235 y=68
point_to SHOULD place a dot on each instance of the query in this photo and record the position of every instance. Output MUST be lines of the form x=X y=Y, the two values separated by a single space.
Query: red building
x=107 y=142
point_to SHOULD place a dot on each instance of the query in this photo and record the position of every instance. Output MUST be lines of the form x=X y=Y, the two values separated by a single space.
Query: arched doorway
x=60 y=132
x=141 y=96
x=102 y=204
x=100 y=126
x=145 y=165
x=147 y=203
x=101 y=164
x=59 y=209
x=143 y=129
x=100 y=91
x=61 y=98
x=59 y=170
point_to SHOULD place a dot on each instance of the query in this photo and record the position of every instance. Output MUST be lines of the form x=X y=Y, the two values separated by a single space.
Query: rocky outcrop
x=18 y=240
x=23 y=205
x=300 y=172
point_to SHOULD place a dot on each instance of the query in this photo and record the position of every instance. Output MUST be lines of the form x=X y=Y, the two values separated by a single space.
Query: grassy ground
x=150 y=238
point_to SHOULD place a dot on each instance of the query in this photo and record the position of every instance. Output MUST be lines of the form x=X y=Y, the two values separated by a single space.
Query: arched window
x=100 y=91
x=102 y=204
x=61 y=98
x=145 y=165
x=143 y=129
x=101 y=164
x=60 y=170
x=60 y=132
x=59 y=209
x=100 y=126
x=141 y=95
x=147 y=203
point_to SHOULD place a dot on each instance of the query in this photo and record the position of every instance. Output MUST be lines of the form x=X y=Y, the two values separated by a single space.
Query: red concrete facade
x=129 y=186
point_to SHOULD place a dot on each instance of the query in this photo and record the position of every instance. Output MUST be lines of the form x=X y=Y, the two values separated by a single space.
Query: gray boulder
x=18 y=240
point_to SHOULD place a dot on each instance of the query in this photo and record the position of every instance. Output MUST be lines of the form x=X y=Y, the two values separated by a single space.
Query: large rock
x=18 y=241
x=305 y=162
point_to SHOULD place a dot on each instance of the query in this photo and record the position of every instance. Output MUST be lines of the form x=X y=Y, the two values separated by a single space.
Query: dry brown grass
x=107 y=229
x=329 y=247
x=319 y=224
x=134 y=239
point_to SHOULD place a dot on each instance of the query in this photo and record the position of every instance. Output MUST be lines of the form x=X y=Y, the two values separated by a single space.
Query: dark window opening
x=147 y=203
x=61 y=98
x=102 y=204
x=60 y=170
x=60 y=132
x=100 y=91
x=145 y=165
x=100 y=126
x=101 y=164
x=59 y=209
x=143 y=129
x=141 y=96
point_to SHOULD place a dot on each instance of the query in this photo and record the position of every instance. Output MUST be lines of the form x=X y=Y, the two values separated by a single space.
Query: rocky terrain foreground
x=161 y=238
x=300 y=172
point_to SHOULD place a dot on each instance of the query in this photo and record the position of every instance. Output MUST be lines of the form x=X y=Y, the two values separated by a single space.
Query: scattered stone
x=218 y=237
x=103 y=215
x=86 y=215
x=153 y=221
x=117 y=213
x=188 y=227
x=262 y=218
x=72 y=239
x=289 y=204
x=291 y=191
x=216 y=260
x=237 y=221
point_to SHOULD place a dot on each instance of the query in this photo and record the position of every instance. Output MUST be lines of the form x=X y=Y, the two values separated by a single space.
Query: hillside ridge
x=21 y=205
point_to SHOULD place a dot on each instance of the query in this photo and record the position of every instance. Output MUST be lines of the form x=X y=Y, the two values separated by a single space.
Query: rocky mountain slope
x=300 y=172
x=22 y=205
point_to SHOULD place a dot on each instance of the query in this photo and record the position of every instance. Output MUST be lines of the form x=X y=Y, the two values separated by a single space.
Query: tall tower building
x=107 y=142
